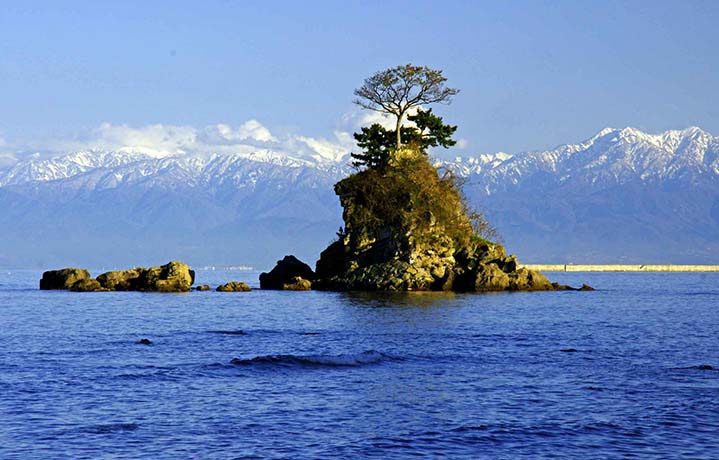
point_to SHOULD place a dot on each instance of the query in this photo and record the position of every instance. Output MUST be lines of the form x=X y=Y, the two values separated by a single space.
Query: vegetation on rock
x=378 y=145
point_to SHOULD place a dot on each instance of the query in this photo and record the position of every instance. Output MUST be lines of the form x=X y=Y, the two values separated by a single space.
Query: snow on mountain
x=612 y=156
x=113 y=168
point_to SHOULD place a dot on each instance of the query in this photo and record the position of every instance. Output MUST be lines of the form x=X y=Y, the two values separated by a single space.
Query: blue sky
x=532 y=74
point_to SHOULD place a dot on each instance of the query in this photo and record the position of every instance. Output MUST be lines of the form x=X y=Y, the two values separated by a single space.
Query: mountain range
x=621 y=196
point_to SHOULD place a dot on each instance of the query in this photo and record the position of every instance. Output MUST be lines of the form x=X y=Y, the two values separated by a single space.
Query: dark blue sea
x=628 y=371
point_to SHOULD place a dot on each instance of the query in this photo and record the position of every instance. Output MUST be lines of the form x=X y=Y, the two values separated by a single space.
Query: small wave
x=700 y=367
x=238 y=332
x=464 y=428
x=344 y=360
x=110 y=428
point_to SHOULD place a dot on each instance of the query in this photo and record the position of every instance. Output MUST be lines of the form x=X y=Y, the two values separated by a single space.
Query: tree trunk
x=399 y=129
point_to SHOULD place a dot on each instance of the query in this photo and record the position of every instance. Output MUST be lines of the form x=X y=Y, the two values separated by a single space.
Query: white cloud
x=462 y=144
x=333 y=150
x=157 y=139
x=249 y=130
x=355 y=119
x=162 y=140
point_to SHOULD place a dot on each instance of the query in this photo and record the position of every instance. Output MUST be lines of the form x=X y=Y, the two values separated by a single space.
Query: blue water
x=616 y=373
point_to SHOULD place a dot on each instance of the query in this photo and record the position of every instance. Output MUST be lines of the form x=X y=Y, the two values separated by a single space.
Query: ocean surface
x=628 y=371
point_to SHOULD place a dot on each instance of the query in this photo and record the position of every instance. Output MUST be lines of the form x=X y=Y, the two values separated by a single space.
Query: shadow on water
x=423 y=299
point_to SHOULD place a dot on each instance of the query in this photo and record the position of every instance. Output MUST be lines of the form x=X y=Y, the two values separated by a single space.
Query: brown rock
x=87 y=285
x=234 y=286
x=172 y=277
x=297 y=284
x=121 y=280
x=489 y=277
x=62 y=279
x=284 y=272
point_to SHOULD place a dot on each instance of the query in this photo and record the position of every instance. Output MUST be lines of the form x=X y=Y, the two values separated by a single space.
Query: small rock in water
x=705 y=367
x=234 y=286
x=144 y=342
x=203 y=287
x=586 y=287
x=569 y=350
x=290 y=273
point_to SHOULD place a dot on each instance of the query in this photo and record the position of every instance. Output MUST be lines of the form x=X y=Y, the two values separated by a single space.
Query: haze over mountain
x=620 y=196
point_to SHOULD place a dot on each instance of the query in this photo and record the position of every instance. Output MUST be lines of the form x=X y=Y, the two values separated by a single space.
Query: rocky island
x=407 y=228
x=406 y=224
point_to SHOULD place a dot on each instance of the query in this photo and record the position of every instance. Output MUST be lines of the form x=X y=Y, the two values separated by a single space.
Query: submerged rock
x=234 y=286
x=62 y=279
x=285 y=272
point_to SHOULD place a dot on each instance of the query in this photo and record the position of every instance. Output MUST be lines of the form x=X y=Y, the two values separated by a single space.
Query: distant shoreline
x=621 y=268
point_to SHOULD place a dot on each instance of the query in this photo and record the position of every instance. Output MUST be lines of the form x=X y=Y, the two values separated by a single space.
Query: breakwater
x=621 y=268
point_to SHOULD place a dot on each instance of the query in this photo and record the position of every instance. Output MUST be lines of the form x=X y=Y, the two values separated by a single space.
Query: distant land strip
x=621 y=268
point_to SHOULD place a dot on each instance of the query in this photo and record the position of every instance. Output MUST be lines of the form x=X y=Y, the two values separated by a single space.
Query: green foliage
x=377 y=143
x=407 y=196
x=430 y=131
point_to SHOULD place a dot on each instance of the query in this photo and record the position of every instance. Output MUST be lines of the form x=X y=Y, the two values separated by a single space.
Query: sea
x=630 y=370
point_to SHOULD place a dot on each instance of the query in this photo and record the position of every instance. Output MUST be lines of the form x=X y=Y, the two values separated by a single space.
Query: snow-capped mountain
x=619 y=196
x=611 y=157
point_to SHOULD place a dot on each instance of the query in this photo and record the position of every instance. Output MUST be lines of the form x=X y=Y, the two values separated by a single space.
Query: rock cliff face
x=407 y=229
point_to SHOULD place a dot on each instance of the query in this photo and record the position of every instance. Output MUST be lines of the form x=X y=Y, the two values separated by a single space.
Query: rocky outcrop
x=203 y=287
x=172 y=277
x=285 y=272
x=234 y=286
x=62 y=279
x=486 y=270
x=408 y=229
